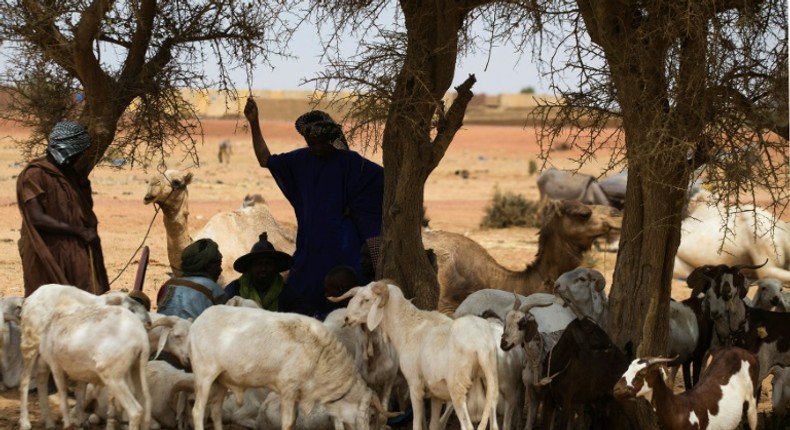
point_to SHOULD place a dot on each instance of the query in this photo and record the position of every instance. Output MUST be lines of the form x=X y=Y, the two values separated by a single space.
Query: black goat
x=581 y=369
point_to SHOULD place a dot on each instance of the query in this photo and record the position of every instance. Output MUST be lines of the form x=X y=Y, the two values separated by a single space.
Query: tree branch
x=451 y=122
x=46 y=35
x=140 y=39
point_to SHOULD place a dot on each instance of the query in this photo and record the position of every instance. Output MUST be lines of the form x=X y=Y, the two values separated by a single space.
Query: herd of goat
x=497 y=357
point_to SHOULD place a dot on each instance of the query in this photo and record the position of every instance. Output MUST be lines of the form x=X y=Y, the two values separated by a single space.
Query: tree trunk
x=660 y=131
x=409 y=152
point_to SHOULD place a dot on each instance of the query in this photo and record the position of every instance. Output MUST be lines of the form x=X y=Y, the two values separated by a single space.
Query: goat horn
x=533 y=302
x=547 y=380
x=740 y=267
x=350 y=293
x=516 y=302
x=657 y=360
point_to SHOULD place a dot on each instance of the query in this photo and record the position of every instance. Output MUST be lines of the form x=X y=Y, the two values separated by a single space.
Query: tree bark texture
x=410 y=151
x=663 y=124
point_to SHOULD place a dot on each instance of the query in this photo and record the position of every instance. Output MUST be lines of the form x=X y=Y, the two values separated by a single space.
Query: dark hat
x=263 y=248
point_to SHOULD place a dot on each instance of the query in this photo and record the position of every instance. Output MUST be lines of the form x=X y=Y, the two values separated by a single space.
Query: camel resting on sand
x=235 y=232
x=568 y=230
x=750 y=237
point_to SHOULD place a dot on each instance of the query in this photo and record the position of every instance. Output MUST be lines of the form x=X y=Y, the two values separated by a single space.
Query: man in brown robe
x=59 y=243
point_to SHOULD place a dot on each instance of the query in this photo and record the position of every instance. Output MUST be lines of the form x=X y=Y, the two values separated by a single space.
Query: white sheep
x=269 y=416
x=169 y=388
x=37 y=312
x=584 y=287
x=293 y=355
x=769 y=295
x=99 y=344
x=247 y=413
x=240 y=301
x=439 y=356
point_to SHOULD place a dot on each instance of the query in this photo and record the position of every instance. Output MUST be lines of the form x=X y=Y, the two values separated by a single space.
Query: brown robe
x=49 y=258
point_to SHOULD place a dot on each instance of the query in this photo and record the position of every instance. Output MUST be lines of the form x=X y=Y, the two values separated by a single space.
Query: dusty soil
x=496 y=158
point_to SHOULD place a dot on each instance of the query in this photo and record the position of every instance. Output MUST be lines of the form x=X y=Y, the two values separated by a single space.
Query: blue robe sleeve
x=366 y=198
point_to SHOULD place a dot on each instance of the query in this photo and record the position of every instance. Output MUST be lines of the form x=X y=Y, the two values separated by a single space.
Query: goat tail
x=488 y=364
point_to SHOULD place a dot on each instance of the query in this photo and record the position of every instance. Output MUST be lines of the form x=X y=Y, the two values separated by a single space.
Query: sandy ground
x=496 y=158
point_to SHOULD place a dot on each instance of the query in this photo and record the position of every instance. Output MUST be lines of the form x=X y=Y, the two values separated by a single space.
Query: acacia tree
x=694 y=84
x=119 y=66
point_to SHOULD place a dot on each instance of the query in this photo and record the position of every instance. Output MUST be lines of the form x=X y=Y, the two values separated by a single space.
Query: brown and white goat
x=764 y=333
x=725 y=391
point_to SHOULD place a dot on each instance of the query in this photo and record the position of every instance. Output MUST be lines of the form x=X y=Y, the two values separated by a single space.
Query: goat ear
x=599 y=282
x=599 y=302
x=162 y=341
x=375 y=314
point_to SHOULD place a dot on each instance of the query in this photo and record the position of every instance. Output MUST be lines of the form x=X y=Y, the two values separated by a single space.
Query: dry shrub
x=511 y=210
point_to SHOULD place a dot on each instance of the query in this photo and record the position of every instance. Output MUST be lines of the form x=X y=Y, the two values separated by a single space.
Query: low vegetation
x=511 y=210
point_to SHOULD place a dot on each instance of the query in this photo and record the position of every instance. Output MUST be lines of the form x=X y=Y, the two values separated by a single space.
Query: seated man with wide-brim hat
x=261 y=280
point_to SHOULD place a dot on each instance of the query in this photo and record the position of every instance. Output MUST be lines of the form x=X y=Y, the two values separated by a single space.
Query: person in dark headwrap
x=189 y=295
x=59 y=243
x=337 y=197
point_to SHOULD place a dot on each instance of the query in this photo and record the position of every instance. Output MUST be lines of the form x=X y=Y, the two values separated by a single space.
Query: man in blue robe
x=337 y=198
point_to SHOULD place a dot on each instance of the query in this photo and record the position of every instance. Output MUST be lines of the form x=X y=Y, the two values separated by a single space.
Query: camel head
x=578 y=224
x=168 y=188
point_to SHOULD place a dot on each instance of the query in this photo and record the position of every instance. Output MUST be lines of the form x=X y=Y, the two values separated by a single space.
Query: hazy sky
x=506 y=71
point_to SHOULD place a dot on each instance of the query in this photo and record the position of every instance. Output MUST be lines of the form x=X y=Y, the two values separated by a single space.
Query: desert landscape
x=495 y=158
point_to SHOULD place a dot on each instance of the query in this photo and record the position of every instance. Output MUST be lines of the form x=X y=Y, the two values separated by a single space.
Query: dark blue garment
x=337 y=201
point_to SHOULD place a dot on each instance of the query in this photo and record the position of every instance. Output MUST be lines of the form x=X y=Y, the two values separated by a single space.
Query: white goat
x=99 y=344
x=170 y=334
x=375 y=358
x=725 y=391
x=37 y=312
x=536 y=323
x=293 y=355
x=10 y=339
x=769 y=295
x=439 y=356
x=510 y=365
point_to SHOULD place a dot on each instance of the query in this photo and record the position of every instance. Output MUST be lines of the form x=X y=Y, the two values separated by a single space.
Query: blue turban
x=67 y=140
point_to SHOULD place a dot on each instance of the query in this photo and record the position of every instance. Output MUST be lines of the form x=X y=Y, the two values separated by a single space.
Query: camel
x=235 y=232
x=752 y=236
x=568 y=230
